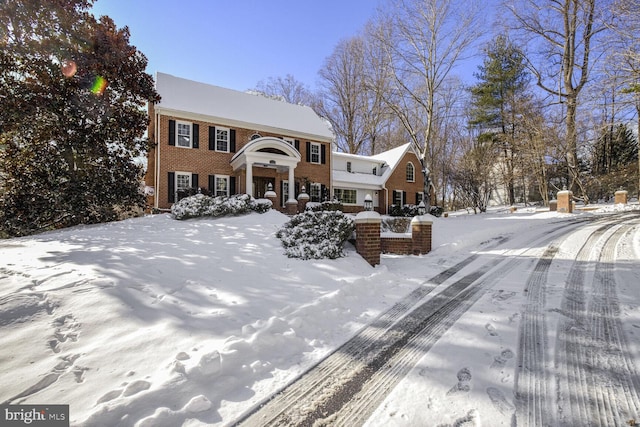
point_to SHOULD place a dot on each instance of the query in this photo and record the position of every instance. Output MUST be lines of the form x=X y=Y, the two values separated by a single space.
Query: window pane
x=221 y=186
x=222 y=139
x=315 y=153
x=183 y=181
x=184 y=135
x=410 y=174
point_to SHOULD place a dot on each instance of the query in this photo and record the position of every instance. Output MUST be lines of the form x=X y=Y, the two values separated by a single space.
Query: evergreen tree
x=73 y=94
x=497 y=101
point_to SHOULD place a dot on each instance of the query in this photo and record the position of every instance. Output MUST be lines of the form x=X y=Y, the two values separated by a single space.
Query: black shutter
x=323 y=154
x=232 y=185
x=196 y=135
x=296 y=144
x=212 y=138
x=323 y=190
x=308 y=151
x=172 y=187
x=417 y=198
x=232 y=140
x=172 y=132
x=297 y=189
x=404 y=197
x=194 y=180
x=212 y=185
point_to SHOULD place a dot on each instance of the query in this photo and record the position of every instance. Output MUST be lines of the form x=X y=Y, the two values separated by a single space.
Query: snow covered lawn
x=153 y=321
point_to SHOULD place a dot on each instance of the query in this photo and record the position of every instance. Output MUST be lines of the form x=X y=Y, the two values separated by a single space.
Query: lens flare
x=99 y=85
x=69 y=68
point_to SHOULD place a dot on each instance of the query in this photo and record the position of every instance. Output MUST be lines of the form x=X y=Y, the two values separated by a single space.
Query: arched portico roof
x=268 y=151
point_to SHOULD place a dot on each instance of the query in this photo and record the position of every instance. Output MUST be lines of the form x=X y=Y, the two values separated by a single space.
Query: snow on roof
x=239 y=108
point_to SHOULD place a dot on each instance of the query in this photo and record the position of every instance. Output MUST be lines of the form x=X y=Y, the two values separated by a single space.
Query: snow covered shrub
x=329 y=205
x=201 y=205
x=261 y=205
x=316 y=235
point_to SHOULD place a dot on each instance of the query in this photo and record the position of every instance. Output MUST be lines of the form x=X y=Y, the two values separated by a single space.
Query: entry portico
x=270 y=153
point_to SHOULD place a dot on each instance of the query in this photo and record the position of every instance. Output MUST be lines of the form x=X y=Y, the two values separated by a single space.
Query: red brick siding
x=396 y=245
x=398 y=180
x=207 y=162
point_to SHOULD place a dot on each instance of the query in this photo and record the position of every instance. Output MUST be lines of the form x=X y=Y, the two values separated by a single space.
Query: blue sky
x=237 y=43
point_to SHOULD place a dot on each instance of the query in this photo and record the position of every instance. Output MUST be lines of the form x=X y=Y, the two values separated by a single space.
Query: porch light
x=422 y=209
x=368 y=203
x=269 y=187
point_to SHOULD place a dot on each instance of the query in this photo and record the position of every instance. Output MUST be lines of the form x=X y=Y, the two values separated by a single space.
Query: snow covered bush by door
x=201 y=205
x=316 y=235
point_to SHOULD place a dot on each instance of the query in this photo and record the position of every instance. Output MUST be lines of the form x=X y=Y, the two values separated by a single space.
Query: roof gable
x=188 y=96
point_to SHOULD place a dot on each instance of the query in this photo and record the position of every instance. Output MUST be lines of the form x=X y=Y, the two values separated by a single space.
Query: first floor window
x=222 y=139
x=398 y=197
x=183 y=181
x=346 y=196
x=222 y=185
x=183 y=134
x=316 y=190
x=419 y=197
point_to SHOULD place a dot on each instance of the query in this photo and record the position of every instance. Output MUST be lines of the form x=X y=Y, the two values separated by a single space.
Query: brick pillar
x=421 y=229
x=368 y=236
x=553 y=205
x=291 y=207
x=271 y=195
x=303 y=199
x=621 y=197
x=565 y=201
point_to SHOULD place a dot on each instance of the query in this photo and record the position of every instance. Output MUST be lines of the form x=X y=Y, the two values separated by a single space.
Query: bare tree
x=423 y=40
x=626 y=54
x=350 y=97
x=562 y=32
x=286 y=89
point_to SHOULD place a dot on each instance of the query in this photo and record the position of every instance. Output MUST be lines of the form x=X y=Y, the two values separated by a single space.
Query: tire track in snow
x=596 y=379
x=346 y=387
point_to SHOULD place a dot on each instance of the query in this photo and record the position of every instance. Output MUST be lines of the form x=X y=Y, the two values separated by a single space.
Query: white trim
x=215 y=183
x=222 y=129
x=311 y=153
x=413 y=171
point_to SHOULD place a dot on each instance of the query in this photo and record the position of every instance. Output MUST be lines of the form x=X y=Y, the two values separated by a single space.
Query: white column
x=292 y=187
x=249 y=181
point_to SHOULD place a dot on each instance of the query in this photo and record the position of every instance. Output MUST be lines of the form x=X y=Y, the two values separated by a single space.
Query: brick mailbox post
x=620 y=197
x=368 y=236
x=565 y=201
x=421 y=229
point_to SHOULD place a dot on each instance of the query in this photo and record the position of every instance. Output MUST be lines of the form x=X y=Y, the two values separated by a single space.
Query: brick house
x=393 y=177
x=228 y=142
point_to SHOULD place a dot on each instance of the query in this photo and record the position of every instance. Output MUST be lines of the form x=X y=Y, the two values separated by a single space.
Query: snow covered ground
x=158 y=322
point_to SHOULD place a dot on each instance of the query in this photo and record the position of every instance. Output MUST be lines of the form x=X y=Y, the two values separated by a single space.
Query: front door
x=261 y=185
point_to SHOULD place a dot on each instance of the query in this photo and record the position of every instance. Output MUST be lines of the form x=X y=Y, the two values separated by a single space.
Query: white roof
x=390 y=157
x=241 y=109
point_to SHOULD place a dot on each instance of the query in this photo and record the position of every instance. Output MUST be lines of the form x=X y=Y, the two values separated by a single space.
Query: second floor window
x=183 y=134
x=222 y=139
x=315 y=153
x=411 y=175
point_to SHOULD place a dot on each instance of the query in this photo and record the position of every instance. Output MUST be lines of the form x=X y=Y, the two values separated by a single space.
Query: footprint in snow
x=491 y=329
x=500 y=401
x=136 y=387
x=463 y=385
x=500 y=361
